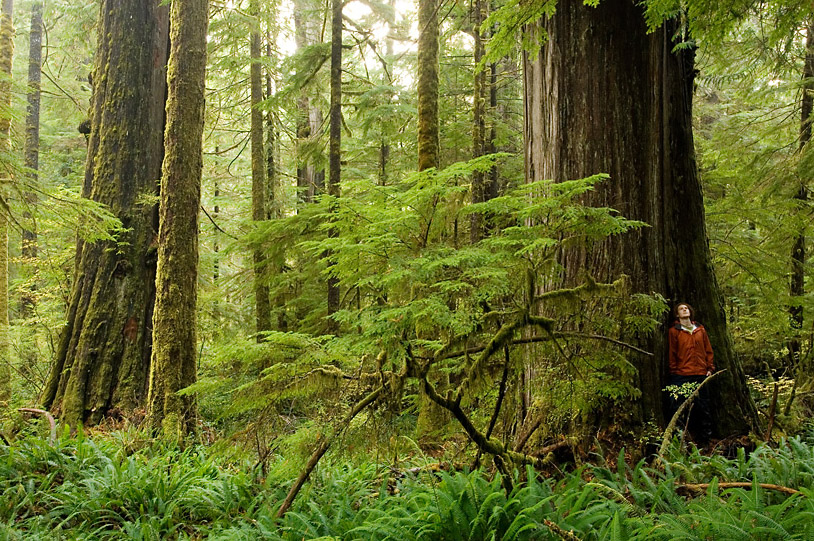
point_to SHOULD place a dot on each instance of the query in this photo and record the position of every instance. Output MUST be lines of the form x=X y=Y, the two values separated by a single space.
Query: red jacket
x=690 y=353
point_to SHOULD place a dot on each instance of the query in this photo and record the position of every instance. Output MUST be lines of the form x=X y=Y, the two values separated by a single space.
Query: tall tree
x=622 y=106
x=798 y=251
x=335 y=142
x=103 y=357
x=32 y=140
x=428 y=45
x=173 y=364
x=259 y=170
x=6 y=55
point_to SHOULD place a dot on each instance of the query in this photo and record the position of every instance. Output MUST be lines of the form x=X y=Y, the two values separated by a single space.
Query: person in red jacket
x=691 y=361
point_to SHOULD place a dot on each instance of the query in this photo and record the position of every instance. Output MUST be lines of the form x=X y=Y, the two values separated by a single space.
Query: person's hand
x=709 y=373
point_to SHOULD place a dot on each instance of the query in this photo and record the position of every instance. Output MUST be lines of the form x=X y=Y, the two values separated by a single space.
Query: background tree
x=6 y=56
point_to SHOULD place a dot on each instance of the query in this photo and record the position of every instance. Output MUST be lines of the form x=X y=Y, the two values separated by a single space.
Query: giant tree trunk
x=103 y=356
x=6 y=55
x=622 y=105
x=174 y=323
x=259 y=184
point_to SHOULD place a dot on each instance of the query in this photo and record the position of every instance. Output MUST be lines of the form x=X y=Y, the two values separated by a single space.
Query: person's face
x=683 y=311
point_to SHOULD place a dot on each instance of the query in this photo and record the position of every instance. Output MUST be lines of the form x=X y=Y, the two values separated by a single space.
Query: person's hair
x=675 y=310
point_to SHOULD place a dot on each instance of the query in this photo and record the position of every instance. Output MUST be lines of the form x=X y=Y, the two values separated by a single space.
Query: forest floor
x=120 y=485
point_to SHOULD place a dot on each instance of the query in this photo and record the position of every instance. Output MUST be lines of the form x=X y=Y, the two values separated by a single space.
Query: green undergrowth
x=118 y=488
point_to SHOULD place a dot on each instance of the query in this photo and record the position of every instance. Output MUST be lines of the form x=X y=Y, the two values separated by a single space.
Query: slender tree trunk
x=478 y=121
x=798 y=251
x=32 y=149
x=103 y=356
x=310 y=173
x=431 y=416
x=174 y=324
x=259 y=184
x=428 y=131
x=6 y=55
x=335 y=144
x=623 y=106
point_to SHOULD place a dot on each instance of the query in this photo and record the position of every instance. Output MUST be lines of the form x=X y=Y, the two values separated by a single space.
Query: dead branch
x=52 y=438
x=324 y=445
x=668 y=432
x=702 y=487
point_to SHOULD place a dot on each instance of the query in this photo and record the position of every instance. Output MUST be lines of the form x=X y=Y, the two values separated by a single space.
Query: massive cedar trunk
x=31 y=151
x=335 y=143
x=174 y=324
x=6 y=55
x=103 y=356
x=604 y=96
x=259 y=184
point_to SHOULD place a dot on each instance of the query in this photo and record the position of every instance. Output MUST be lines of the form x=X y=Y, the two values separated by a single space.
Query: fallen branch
x=668 y=432
x=702 y=487
x=561 y=532
x=52 y=438
x=324 y=445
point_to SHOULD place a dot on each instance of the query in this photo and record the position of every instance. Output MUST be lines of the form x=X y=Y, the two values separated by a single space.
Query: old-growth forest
x=406 y=269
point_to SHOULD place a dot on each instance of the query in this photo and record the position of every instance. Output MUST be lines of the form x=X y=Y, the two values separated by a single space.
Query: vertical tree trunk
x=310 y=175
x=798 y=251
x=174 y=324
x=623 y=106
x=428 y=132
x=335 y=143
x=479 y=190
x=6 y=55
x=103 y=357
x=32 y=146
x=259 y=184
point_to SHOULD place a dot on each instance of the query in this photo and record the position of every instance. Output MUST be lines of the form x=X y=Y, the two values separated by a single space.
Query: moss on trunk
x=104 y=351
x=173 y=364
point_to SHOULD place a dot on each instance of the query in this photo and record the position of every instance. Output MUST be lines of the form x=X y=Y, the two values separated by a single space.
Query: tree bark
x=174 y=323
x=478 y=121
x=6 y=56
x=103 y=357
x=335 y=143
x=798 y=250
x=428 y=129
x=259 y=179
x=31 y=151
x=622 y=106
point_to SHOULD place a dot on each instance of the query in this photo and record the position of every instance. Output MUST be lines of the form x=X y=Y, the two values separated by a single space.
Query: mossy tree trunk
x=428 y=45
x=431 y=416
x=606 y=96
x=174 y=323
x=6 y=55
x=479 y=88
x=259 y=169
x=103 y=356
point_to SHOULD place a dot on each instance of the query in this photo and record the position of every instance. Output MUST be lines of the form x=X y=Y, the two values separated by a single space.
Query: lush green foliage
x=123 y=487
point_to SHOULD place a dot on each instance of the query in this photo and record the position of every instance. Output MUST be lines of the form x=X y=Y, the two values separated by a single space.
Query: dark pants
x=700 y=424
